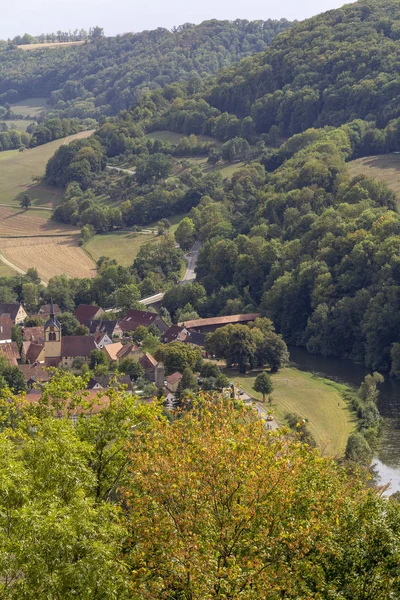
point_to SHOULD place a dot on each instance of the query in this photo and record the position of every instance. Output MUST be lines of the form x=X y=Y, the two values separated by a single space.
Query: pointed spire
x=52 y=315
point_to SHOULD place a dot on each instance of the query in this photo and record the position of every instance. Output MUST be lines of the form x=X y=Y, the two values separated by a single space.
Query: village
x=110 y=352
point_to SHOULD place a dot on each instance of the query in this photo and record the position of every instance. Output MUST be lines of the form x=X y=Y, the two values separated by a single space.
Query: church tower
x=52 y=336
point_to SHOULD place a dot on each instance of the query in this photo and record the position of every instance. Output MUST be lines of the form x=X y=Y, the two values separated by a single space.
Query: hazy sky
x=119 y=16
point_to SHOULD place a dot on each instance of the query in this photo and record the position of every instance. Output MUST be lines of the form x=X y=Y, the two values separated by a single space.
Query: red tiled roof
x=6 y=325
x=227 y=320
x=35 y=371
x=33 y=351
x=34 y=333
x=171 y=379
x=148 y=361
x=85 y=312
x=175 y=333
x=134 y=318
x=98 y=399
x=77 y=345
x=112 y=350
x=10 y=351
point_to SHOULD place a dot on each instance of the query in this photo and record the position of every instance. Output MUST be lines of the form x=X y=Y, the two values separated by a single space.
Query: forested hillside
x=290 y=233
x=327 y=70
x=107 y=75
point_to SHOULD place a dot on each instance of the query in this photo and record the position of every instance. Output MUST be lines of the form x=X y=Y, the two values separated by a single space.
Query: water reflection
x=351 y=373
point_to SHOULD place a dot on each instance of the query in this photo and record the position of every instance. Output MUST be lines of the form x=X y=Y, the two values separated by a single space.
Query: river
x=387 y=461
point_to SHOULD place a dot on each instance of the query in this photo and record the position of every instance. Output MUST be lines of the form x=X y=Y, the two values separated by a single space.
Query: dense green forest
x=290 y=233
x=110 y=73
x=132 y=502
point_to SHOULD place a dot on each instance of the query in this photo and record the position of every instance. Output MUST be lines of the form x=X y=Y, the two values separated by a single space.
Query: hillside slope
x=106 y=76
x=327 y=70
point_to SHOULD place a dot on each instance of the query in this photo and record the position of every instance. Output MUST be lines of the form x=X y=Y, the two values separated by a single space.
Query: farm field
x=6 y=271
x=29 y=240
x=384 y=167
x=318 y=400
x=18 y=168
x=123 y=246
x=31 y=47
x=29 y=107
x=226 y=169
x=55 y=255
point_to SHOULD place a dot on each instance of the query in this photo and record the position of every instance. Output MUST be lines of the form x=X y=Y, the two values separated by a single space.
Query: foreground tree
x=212 y=513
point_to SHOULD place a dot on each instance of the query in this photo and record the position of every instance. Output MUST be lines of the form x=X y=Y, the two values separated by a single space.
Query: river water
x=387 y=461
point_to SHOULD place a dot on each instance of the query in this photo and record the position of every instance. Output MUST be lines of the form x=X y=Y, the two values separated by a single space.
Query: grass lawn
x=18 y=168
x=385 y=167
x=318 y=400
x=29 y=107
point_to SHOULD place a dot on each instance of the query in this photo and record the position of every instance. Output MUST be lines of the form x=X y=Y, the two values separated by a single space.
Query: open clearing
x=18 y=168
x=174 y=138
x=49 y=255
x=28 y=223
x=385 y=167
x=29 y=107
x=18 y=125
x=48 y=45
x=318 y=400
x=29 y=240
x=123 y=246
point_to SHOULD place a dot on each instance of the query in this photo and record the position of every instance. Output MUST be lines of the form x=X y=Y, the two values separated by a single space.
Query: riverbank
x=320 y=401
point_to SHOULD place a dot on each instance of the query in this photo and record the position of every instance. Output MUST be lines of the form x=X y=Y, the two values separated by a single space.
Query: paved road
x=129 y=171
x=191 y=258
x=262 y=412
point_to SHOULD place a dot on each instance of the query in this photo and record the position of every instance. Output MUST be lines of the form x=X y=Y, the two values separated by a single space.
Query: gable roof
x=11 y=309
x=33 y=333
x=175 y=333
x=34 y=372
x=227 y=320
x=112 y=350
x=32 y=351
x=11 y=352
x=77 y=345
x=171 y=379
x=6 y=325
x=148 y=361
x=106 y=381
x=45 y=310
x=97 y=326
x=135 y=318
x=196 y=338
x=85 y=312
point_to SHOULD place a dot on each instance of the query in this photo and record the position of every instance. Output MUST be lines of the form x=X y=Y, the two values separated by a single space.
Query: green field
x=226 y=169
x=19 y=125
x=31 y=107
x=124 y=246
x=318 y=400
x=385 y=167
x=6 y=271
x=174 y=138
x=18 y=168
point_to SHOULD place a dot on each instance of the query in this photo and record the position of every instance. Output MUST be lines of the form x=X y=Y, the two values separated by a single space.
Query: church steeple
x=52 y=335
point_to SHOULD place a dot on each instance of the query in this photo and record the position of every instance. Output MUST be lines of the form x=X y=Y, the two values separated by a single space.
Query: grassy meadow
x=18 y=168
x=123 y=246
x=318 y=400
x=31 y=107
x=384 y=167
